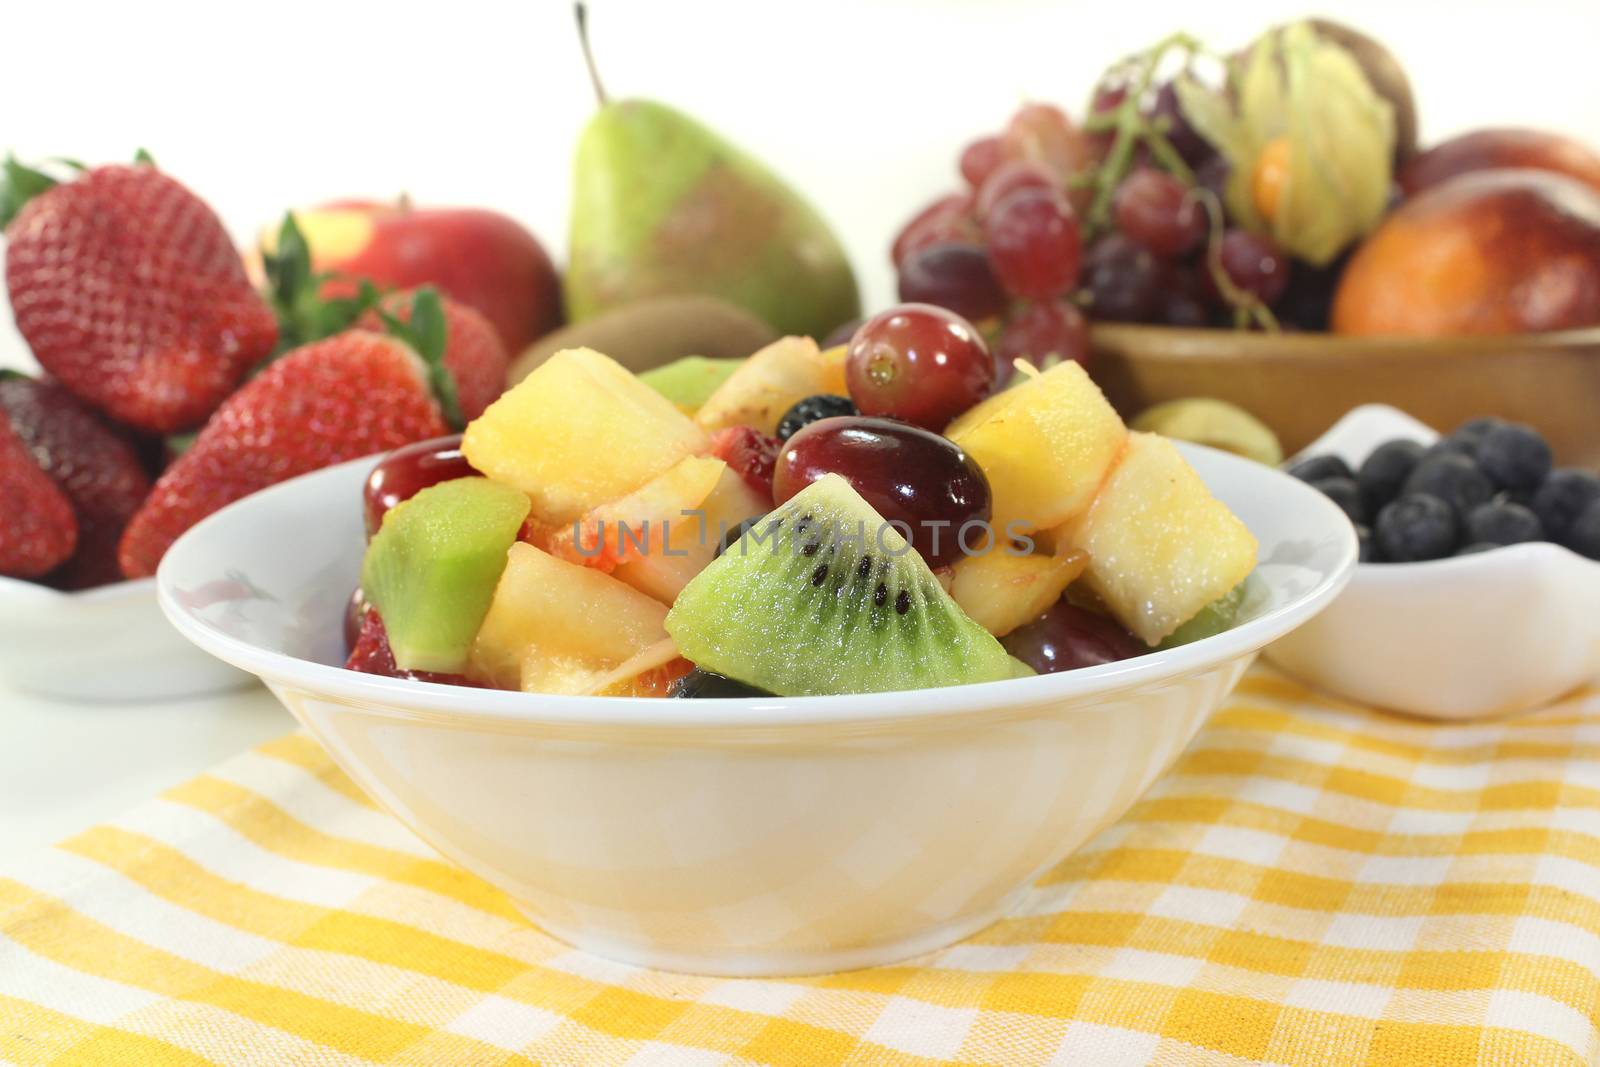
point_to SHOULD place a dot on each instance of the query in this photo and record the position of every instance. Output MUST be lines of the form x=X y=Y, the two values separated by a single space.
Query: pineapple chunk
x=554 y=626
x=578 y=432
x=1045 y=446
x=693 y=539
x=1160 y=546
x=1002 y=591
x=638 y=525
x=771 y=382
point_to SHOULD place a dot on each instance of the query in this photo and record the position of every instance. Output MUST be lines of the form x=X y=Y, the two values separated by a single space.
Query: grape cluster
x=1119 y=219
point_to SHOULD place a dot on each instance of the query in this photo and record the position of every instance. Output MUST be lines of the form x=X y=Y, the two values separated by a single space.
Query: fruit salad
x=874 y=516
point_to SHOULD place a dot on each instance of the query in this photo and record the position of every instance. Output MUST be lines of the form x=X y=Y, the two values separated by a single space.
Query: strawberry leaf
x=294 y=291
x=18 y=185
x=428 y=333
x=143 y=156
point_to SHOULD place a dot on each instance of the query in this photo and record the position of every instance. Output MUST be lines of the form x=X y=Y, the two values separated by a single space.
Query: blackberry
x=809 y=410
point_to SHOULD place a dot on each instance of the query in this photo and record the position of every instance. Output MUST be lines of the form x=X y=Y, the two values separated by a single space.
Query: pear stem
x=580 y=11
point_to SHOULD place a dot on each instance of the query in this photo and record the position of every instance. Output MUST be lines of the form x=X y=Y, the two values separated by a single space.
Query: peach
x=1489 y=252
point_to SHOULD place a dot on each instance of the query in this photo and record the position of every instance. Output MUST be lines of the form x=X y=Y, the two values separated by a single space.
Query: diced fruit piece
x=1160 y=546
x=406 y=471
x=692 y=540
x=751 y=453
x=432 y=567
x=637 y=525
x=578 y=432
x=1045 y=446
x=554 y=626
x=826 y=597
x=771 y=382
x=703 y=685
x=370 y=654
x=690 y=381
x=1067 y=637
x=652 y=673
x=1001 y=590
x=1213 y=619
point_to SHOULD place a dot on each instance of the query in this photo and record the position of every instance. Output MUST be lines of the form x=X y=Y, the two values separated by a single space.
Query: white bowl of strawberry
x=704 y=699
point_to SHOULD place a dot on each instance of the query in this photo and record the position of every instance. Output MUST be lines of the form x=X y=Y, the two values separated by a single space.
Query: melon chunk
x=556 y=627
x=578 y=432
x=1161 y=547
x=1045 y=445
x=692 y=539
x=771 y=382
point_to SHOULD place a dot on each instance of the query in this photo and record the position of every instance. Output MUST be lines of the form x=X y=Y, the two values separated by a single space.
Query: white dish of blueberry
x=1480 y=579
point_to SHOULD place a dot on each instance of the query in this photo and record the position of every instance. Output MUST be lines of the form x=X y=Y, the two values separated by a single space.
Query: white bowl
x=1461 y=638
x=741 y=837
x=102 y=645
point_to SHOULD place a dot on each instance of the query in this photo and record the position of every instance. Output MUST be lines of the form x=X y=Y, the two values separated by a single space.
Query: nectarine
x=1499 y=149
x=1490 y=252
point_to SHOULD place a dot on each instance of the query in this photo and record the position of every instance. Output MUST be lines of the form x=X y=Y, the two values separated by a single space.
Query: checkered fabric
x=1313 y=883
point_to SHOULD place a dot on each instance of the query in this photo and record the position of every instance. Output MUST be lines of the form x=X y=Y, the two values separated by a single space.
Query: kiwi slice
x=432 y=567
x=824 y=597
x=1213 y=619
x=687 y=382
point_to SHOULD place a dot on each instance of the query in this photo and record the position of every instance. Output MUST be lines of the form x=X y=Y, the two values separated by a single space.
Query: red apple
x=1500 y=148
x=481 y=258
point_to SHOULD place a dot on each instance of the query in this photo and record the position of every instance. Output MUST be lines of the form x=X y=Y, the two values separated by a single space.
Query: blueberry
x=1367 y=548
x=700 y=685
x=733 y=535
x=1470 y=433
x=1477 y=547
x=1503 y=524
x=809 y=410
x=1562 y=498
x=1584 y=536
x=1345 y=493
x=1417 y=527
x=1386 y=470
x=1453 y=478
x=1316 y=468
x=1514 y=456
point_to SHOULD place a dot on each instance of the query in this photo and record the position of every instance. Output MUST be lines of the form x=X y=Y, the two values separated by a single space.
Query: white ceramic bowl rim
x=380 y=694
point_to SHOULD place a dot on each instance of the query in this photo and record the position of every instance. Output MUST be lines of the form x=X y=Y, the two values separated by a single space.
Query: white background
x=864 y=106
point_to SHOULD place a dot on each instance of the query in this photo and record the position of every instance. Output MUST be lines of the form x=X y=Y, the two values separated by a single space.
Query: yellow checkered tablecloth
x=1313 y=883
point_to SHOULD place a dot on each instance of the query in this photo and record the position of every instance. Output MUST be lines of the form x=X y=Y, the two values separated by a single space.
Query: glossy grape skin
x=1034 y=244
x=1124 y=280
x=954 y=275
x=1009 y=177
x=408 y=470
x=906 y=474
x=919 y=363
x=1040 y=333
x=1067 y=637
x=1046 y=135
x=1255 y=265
x=946 y=219
x=1157 y=210
x=980 y=158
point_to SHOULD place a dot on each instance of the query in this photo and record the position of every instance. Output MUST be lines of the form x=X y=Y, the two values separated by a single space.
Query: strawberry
x=37 y=529
x=473 y=351
x=371 y=654
x=751 y=453
x=352 y=395
x=99 y=472
x=130 y=292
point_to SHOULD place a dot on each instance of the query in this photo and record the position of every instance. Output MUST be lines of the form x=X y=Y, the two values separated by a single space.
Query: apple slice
x=1002 y=590
x=771 y=382
x=693 y=540
x=638 y=525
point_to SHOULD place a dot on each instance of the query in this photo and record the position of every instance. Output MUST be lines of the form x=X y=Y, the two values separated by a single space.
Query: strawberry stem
x=427 y=332
x=294 y=292
x=18 y=185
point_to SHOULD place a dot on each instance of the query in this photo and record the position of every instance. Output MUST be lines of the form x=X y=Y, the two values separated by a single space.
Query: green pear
x=663 y=205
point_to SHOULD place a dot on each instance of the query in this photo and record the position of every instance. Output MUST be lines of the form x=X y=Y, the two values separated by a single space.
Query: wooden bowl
x=1300 y=384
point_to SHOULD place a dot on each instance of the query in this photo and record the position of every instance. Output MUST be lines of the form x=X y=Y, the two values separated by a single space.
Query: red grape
x=1124 y=280
x=1044 y=133
x=1043 y=333
x=1158 y=211
x=1067 y=637
x=1007 y=178
x=1184 y=304
x=946 y=219
x=1255 y=265
x=407 y=471
x=920 y=363
x=1106 y=99
x=954 y=276
x=1034 y=243
x=907 y=474
x=1213 y=175
x=1183 y=137
x=980 y=158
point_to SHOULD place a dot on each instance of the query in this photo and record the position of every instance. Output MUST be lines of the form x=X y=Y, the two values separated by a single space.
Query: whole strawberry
x=349 y=396
x=99 y=472
x=37 y=529
x=130 y=292
x=473 y=352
